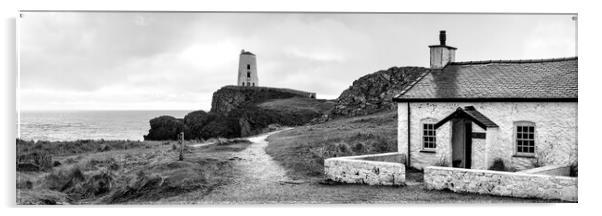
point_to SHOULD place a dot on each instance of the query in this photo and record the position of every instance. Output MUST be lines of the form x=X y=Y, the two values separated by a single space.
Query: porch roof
x=470 y=113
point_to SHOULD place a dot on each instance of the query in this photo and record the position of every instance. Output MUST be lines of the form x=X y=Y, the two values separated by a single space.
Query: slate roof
x=471 y=113
x=502 y=80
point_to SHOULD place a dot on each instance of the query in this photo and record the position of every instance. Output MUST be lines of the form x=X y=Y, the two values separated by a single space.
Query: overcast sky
x=141 y=61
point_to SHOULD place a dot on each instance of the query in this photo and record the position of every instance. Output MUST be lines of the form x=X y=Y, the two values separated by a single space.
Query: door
x=461 y=143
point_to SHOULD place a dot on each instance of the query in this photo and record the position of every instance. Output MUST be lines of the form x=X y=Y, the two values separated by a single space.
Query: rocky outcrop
x=229 y=98
x=239 y=111
x=164 y=128
x=374 y=92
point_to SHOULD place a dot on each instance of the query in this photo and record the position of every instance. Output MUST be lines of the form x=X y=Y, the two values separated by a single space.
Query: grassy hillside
x=302 y=150
x=298 y=104
x=143 y=172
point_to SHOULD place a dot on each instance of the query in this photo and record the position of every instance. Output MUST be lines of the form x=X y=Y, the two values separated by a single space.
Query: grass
x=63 y=148
x=302 y=150
x=145 y=173
x=297 y=104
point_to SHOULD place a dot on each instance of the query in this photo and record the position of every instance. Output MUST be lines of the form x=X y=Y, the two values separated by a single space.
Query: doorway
x=461 y=143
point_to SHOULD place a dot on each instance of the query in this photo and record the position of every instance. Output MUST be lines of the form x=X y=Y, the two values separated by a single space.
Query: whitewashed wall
x=555 y=132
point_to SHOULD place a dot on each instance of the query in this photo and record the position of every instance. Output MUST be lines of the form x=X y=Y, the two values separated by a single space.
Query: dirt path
x=259 y=175
x=260 y=179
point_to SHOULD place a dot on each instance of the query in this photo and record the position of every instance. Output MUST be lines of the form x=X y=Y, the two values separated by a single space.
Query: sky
x=175 y=61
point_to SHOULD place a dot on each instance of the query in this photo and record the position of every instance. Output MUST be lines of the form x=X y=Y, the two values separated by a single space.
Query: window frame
x=516 y=140
x=424 y=143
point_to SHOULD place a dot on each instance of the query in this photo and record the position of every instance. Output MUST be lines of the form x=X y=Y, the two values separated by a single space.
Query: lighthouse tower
x=247 y=69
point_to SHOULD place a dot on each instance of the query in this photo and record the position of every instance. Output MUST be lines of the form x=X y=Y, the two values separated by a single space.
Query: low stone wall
x=554 y=170
x=376 y=169
x=517 y=184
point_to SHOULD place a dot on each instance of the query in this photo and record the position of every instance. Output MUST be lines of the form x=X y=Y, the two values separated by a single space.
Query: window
x=253 y=84
x=525 y=138
x=248 y=67
x=248 y=74
x=248 y=84
x=429 y=137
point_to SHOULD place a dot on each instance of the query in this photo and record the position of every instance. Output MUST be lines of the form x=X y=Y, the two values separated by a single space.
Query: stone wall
x=555 y=133
x=376 y=169
x=501 y=183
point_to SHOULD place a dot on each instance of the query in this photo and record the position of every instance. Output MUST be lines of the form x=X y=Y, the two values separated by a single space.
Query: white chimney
x=442 y=54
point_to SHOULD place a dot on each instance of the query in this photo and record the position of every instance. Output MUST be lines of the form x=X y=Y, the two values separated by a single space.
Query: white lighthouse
x=247 y=69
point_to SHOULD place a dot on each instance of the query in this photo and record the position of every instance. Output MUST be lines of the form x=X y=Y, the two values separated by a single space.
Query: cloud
x=177 y=60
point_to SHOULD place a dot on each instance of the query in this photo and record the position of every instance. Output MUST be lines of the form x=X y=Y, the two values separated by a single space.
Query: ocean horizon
x=69 y=125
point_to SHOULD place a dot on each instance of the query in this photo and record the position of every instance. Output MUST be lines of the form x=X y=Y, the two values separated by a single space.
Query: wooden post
x=181 y=141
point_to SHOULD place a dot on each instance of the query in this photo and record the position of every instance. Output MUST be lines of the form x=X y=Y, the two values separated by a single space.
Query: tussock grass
x=302 y=150
x=62 y=148
x=135 y=175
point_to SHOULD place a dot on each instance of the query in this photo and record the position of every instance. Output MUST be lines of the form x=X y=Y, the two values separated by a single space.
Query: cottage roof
x=470 y=113
x=501 y=80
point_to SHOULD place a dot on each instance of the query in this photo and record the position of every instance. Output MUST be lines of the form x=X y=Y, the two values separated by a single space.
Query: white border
x=589 y=79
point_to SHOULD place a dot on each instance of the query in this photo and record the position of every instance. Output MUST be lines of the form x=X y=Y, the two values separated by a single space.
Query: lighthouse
x=247 y=69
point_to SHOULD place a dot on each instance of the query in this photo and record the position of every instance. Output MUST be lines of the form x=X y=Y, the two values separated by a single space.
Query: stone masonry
x=501 y=183
x=377 y=169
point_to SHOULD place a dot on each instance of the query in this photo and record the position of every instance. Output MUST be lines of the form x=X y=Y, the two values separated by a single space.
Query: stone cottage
x=469 y=114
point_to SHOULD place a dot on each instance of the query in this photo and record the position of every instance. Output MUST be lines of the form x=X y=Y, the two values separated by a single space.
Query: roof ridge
x=515 y=61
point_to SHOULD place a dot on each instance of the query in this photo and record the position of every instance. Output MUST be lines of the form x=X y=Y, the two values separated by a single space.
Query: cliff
x=239 y=111
x=373 y=93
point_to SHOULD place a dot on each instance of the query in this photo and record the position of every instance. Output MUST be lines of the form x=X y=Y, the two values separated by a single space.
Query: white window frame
x=423 y=142
x=515 y=134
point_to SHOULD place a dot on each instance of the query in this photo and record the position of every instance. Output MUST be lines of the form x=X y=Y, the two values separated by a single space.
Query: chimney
x=442 y=54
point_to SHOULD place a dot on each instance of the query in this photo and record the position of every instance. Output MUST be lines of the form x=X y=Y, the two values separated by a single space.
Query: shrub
x=41 y=159
x=358 y=148
x=63 y=179
x=573 y=170
x=26 y=184
x=498 y=165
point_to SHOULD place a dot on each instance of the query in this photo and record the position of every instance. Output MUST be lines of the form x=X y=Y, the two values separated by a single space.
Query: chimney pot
x=442 y=38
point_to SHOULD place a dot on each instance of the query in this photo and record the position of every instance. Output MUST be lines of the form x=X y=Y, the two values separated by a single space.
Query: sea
x=77 y=125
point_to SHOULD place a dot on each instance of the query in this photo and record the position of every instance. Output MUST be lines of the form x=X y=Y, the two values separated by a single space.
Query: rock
x=238 y=111
x=374 y=92
x=164 y=128
x=195 y=121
